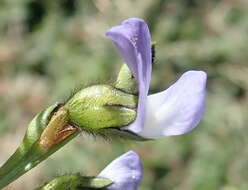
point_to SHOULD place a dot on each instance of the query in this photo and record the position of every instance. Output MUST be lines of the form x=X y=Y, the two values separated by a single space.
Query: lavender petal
x=125 y=171
x=178 y=109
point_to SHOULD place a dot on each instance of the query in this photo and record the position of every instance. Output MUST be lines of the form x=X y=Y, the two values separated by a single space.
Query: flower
x=174 y=111
x=125 y=171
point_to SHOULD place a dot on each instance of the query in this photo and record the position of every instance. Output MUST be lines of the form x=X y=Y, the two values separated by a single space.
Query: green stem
x=42 y=138
x=20 y=163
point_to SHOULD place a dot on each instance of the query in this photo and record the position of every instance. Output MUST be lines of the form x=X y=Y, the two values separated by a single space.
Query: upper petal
x=133 y=41
x=125 y=171
x=178 y=109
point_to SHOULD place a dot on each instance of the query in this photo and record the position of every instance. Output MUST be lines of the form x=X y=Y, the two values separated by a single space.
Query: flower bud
x=123 y=173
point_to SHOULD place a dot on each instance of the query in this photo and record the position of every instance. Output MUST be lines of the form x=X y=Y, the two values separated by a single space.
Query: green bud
x=102 y=106
x=76 y=182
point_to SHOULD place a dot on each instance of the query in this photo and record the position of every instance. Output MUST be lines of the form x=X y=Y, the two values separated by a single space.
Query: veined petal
x=133 y=41
x=178 y=109
x=125 y=171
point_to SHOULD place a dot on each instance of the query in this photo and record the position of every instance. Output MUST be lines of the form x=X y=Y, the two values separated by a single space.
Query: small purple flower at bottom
x=174 y=111
x=125 y=171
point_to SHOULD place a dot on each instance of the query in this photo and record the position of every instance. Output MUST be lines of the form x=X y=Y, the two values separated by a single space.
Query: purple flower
x=125 y=171
x=174 y=111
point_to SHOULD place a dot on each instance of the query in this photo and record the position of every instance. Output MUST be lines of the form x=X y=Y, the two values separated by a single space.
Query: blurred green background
x=47 y=48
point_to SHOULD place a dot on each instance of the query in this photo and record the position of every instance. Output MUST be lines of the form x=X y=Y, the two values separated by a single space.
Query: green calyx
x=102 y=106
x=76 y=182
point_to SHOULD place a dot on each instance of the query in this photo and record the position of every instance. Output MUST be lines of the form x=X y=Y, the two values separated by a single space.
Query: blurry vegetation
x=47 y=48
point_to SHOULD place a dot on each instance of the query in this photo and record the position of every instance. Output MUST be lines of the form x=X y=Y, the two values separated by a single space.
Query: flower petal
x=133 y=41
x=178 y=109
x=126 y=172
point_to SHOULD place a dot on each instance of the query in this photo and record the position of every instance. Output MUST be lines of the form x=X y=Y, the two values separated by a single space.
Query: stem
x=21 y=162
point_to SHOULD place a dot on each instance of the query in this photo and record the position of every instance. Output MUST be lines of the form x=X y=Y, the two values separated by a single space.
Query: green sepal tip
x=126 y=81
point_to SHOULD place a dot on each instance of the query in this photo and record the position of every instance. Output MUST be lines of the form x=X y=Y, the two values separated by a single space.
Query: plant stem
x=21 y=162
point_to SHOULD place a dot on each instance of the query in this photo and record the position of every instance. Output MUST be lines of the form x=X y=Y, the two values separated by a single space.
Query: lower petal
x=178 y=109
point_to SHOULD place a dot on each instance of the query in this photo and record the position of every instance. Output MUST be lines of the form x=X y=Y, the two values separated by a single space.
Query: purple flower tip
x=133 y=41
x=125 y=171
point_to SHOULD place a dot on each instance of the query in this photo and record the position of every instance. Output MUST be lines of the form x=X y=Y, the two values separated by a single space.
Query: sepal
x=126 y=81
x=76 y=182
